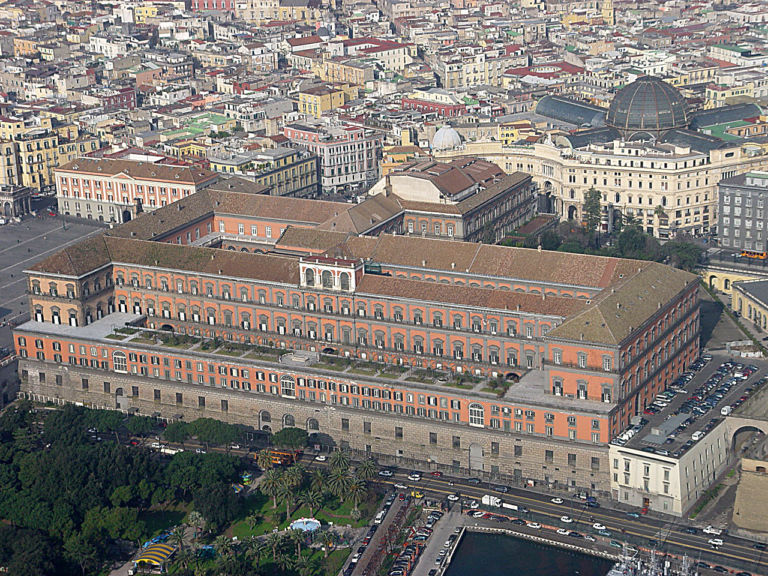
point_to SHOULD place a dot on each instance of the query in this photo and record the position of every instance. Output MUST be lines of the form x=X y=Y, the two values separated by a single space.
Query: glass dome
x=647 y=105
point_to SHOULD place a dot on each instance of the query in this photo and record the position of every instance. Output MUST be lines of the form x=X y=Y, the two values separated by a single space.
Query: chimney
x=387 y=185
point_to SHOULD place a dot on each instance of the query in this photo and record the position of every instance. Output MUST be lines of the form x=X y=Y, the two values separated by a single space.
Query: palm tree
x=367 y=469
x=264 y=459
x=286 y=494
x=270 y=484
x=274 y=540
x=297 y=537
x=356 y=490
x=313 y=499
x=196 y=520
x=252 y=520
x=317 y=480
x=253 y=550
x=339 y=461
x=327 y=538
x=177 y=537
x=338 y=483
x=223 y=546
x=294 y=476
x=304 y=567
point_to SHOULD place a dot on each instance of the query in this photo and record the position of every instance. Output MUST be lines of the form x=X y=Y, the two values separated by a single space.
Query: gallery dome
x=647 y=105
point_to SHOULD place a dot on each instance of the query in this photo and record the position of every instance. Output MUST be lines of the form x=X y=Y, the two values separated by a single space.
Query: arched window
x=288 y=386
x=266 y=416
x=289 y=421
x=312 y=424
x=119 y=363
x=327 y=279
x=309 y=277
x=344 y=281
x=476 y=415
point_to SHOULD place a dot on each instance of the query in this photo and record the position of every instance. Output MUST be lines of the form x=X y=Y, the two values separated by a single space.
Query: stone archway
x=742 y=435
x=7 y=210
x=713 y=282
x=573 y=213
x=127 y=216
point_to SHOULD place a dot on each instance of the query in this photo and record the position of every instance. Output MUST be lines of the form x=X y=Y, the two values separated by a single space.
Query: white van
x=379 y=517
x=698 y=435
x=726 y=410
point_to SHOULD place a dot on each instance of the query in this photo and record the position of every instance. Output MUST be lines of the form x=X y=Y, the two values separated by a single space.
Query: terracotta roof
x=469 y=296
x=616 y=313
x=360 y=218
x=76 y=260
x=309 y=240
x=204 y=260
x=275 y=207
x=239 y=184
x=138 y=170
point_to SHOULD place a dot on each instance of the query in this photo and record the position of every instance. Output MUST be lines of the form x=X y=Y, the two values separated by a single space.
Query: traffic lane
x=647 y=529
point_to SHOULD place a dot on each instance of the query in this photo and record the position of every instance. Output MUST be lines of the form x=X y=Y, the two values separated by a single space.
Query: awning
x=156 y=554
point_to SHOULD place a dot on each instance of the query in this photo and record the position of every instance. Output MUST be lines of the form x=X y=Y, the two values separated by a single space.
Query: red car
x=402 y=496
x=437 y=474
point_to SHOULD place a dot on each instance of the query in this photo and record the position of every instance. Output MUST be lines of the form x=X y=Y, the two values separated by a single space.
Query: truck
x=170 y=451
x=489 y=500
x=514 y=507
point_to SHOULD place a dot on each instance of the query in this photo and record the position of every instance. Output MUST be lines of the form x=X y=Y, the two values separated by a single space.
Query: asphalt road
x=639 y=531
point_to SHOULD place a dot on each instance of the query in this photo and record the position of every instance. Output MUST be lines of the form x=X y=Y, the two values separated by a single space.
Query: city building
x=742 y=213
x=469 y=199
x=666 y=483
x=116 y=190
x=583 y=342
x=318 y=100
x=642 y=154
x=348 y=155
x=282 y=171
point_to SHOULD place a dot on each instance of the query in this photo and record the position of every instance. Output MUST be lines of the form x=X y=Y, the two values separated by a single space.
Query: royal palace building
x=455 y=355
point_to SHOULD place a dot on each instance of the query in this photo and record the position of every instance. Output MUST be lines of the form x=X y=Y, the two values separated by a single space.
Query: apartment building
x=116 y=190
x=742 y=213
x=348 y=155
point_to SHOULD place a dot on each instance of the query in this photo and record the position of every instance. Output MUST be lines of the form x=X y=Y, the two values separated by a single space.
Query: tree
x=312 y=499
x=338 y=483
x=218 y=504
x=682 y=254
x=286 y=494
x=139 y=425
x=339 y=461
x=264 y=459
x=294 y=476
x=317 y=481
x=274 y=540
x=356 y=490
x=592 y=211
x=328 y=539
x=270 y=484
x=196 y=520
x=367 y=469
x=290 y=438
x=177 y=432
x=223 y=546
x=297 y=537
x=178 y=536
x=252 y=520
x=550 y=240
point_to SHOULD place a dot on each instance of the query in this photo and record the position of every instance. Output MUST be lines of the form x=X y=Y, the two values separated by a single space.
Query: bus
x=754 y=255
x=282 y=457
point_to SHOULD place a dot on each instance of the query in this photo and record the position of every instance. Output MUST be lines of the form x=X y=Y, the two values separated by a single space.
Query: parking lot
x=21 y=245
x=692 y=405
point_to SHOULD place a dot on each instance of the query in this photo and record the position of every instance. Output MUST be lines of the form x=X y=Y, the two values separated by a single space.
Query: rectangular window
x=179 y=398
x=201 y=401
x=398 y=433
x=433 y=438
x=84 y=383
x=225 y=405
x=345 y=424
x=456 y=442
x=549 y=456
x=366 y=427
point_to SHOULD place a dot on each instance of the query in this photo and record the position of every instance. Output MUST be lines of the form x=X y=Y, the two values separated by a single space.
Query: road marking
x=30 y=240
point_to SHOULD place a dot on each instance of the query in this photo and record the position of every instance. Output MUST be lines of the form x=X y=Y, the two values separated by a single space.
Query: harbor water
x=504 y=555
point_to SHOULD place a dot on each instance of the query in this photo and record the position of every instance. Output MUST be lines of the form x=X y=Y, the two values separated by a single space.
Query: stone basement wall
x=361 y=431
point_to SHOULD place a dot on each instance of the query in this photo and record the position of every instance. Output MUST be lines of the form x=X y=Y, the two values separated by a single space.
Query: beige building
x=665 y=483
x=634 y=178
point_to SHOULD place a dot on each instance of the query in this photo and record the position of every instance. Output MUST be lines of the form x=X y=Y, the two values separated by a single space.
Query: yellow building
x=396 y=155
x=143 y=12
x=512 y=132
x=320 y=99
x=719 y=95
x=186 y=149
x=750 y=300
x=346 y=70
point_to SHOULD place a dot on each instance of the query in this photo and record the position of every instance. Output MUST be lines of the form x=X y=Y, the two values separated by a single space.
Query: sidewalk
x=442 y=530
